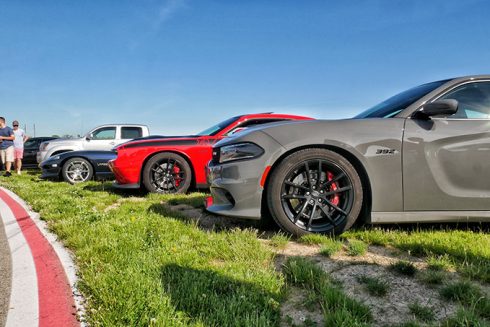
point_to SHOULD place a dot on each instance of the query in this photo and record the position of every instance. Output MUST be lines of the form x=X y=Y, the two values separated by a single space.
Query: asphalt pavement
x=5 y=275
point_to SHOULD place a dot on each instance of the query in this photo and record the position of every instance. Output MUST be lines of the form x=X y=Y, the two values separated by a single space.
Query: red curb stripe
x=56 y=303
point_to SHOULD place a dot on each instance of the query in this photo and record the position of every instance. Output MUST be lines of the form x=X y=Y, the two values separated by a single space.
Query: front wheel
x=315 y=191
x=77 y=170
x=167 y=173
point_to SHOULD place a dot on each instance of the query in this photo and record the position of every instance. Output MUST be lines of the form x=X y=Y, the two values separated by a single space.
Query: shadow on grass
x=213 y=299
x=106 y=186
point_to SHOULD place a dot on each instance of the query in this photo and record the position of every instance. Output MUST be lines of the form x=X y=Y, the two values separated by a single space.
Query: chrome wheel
x=77 y=170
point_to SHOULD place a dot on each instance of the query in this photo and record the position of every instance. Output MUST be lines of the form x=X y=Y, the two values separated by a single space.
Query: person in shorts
x=20 y=138
x=6 y=146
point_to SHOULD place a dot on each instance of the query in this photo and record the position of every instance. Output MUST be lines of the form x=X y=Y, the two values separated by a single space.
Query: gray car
x=420 y=156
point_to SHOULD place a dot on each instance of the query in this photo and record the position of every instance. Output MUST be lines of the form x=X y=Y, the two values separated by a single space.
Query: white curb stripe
x=24 y=303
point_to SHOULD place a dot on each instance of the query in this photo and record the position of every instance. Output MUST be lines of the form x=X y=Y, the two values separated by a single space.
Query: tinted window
x=131 y=132
x=253 y=122
x=32 y=143
x=473 y=100
x=104 y=133
x=394 y=105
x=213 y=130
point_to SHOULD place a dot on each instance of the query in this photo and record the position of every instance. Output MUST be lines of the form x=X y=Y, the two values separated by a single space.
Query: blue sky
x=180 y=66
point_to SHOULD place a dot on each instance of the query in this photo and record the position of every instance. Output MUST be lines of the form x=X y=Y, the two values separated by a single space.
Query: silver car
x=420 y=156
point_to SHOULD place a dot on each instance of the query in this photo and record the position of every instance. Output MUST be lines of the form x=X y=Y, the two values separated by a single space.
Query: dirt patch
x=390 y=309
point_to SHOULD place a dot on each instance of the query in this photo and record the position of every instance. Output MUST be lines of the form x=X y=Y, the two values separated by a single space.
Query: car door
x=101 y=139
x=446 y=160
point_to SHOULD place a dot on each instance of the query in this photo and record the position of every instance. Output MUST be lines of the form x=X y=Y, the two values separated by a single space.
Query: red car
x=172 y=164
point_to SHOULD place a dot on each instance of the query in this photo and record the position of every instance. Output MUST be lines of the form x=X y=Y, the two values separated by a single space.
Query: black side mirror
x=440 y=107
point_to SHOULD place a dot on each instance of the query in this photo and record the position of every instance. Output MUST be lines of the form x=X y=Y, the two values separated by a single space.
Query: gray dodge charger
x=420 y=156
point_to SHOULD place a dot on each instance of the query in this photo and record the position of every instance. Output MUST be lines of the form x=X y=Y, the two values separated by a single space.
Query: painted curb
x=43 y=274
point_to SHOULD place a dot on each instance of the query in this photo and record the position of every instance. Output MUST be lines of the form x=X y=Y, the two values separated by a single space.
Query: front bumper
x=235 y=188
x=50 y=172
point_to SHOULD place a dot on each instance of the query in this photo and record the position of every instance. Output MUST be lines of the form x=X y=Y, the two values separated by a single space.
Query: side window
x=104 y=133
x=131 y=132
x=473 y=99
x=252 y=123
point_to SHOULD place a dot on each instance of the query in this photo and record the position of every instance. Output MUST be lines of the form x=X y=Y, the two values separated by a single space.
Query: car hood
x=64 y=141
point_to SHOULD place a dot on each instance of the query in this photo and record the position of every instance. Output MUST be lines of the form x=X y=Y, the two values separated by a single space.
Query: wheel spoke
x=335 y=207
x=329 y=217
x=333 y=180
x=311 y=216
x=300 y=213
x=296 y=185
x=319 y=176
x=308 y=177
x=293 y=196
x=339 y=190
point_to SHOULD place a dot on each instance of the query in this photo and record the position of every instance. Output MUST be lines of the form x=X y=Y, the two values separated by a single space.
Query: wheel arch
x=182 y=154
x=358 y=165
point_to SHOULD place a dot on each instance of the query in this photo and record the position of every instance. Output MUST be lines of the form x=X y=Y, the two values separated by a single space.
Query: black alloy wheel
x=315 y=191
x=167 y=173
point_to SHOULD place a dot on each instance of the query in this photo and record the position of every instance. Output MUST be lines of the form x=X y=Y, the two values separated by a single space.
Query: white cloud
x=167 y=10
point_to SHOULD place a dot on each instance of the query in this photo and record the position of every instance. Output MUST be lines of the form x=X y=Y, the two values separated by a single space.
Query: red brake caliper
x=335 y=199
x=176 y=172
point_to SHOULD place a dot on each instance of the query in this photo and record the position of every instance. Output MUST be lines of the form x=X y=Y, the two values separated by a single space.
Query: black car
x=31 y=147
x=78 y=166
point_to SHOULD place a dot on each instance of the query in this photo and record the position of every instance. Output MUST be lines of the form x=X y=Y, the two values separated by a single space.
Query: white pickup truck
x=101 y=138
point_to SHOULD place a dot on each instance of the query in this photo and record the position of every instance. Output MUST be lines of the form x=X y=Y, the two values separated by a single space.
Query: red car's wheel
x=167 y=173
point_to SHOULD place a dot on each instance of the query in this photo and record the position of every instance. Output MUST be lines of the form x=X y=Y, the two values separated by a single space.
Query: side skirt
x=429 y=216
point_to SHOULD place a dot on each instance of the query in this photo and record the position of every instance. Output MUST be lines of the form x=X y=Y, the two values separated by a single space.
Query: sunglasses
x=16 y=125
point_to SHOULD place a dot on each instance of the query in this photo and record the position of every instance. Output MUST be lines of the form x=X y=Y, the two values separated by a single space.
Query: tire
x=167 y=173
x=301 y=203
x=77 y=170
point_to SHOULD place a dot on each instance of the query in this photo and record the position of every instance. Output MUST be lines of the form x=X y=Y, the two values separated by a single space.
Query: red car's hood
x=154 y=140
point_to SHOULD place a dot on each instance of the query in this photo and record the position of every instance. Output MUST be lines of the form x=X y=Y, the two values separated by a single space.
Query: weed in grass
x=338 y=308
x=439 y=263
x=432 y=277
x=467 y=250
x=409 y=324
x=469 y=295
x=314 y=239
x=403 y=267
x=279 y=240
x=464 y=318
x=195 y=200
x=374 y=286
x=330 y=248
x=356 y=248
x=422 y=313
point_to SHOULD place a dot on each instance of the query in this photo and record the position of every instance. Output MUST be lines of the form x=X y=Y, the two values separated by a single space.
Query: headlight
x=239 y=151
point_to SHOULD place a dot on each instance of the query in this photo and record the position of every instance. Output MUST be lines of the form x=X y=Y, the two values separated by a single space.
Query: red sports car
x=172 y=164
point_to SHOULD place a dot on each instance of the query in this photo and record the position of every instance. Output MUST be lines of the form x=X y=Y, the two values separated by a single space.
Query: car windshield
x=394 y=105
x=213 y=130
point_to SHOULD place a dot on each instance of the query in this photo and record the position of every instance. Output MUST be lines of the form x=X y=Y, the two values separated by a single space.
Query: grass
x=328 y=246
x=432 y=277
x=468 y=295
x=464 y=318
x=374 y=286
x=356 y=248
x=141 y=264
x=403 y=267
x=467 y=250
x=439 y=263
x=279 y=240
x=422 y=313
x=338 y=308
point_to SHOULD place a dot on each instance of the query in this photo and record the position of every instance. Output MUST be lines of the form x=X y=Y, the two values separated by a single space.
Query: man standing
x=20 y=138
x=7 y=146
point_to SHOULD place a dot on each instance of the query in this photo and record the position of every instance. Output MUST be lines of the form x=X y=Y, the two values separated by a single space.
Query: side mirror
x=441 y=107
x=89 y=137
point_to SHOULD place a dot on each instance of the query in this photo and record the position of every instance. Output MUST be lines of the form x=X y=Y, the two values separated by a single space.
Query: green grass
x=439 y=263
x=422 y=313
x=314 y=239
x=279 y=240
x=374 y=286
x=468 y=295
x=338 y=308
x=467 y=250
x=330 y=248
x=356 y=248
x=141 y=264
x=465 y=318
x=404 y=268
x=432 y=277
x=195 y=200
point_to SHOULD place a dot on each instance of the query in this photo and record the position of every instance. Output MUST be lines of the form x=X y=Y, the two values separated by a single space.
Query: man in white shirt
x=20 y=138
